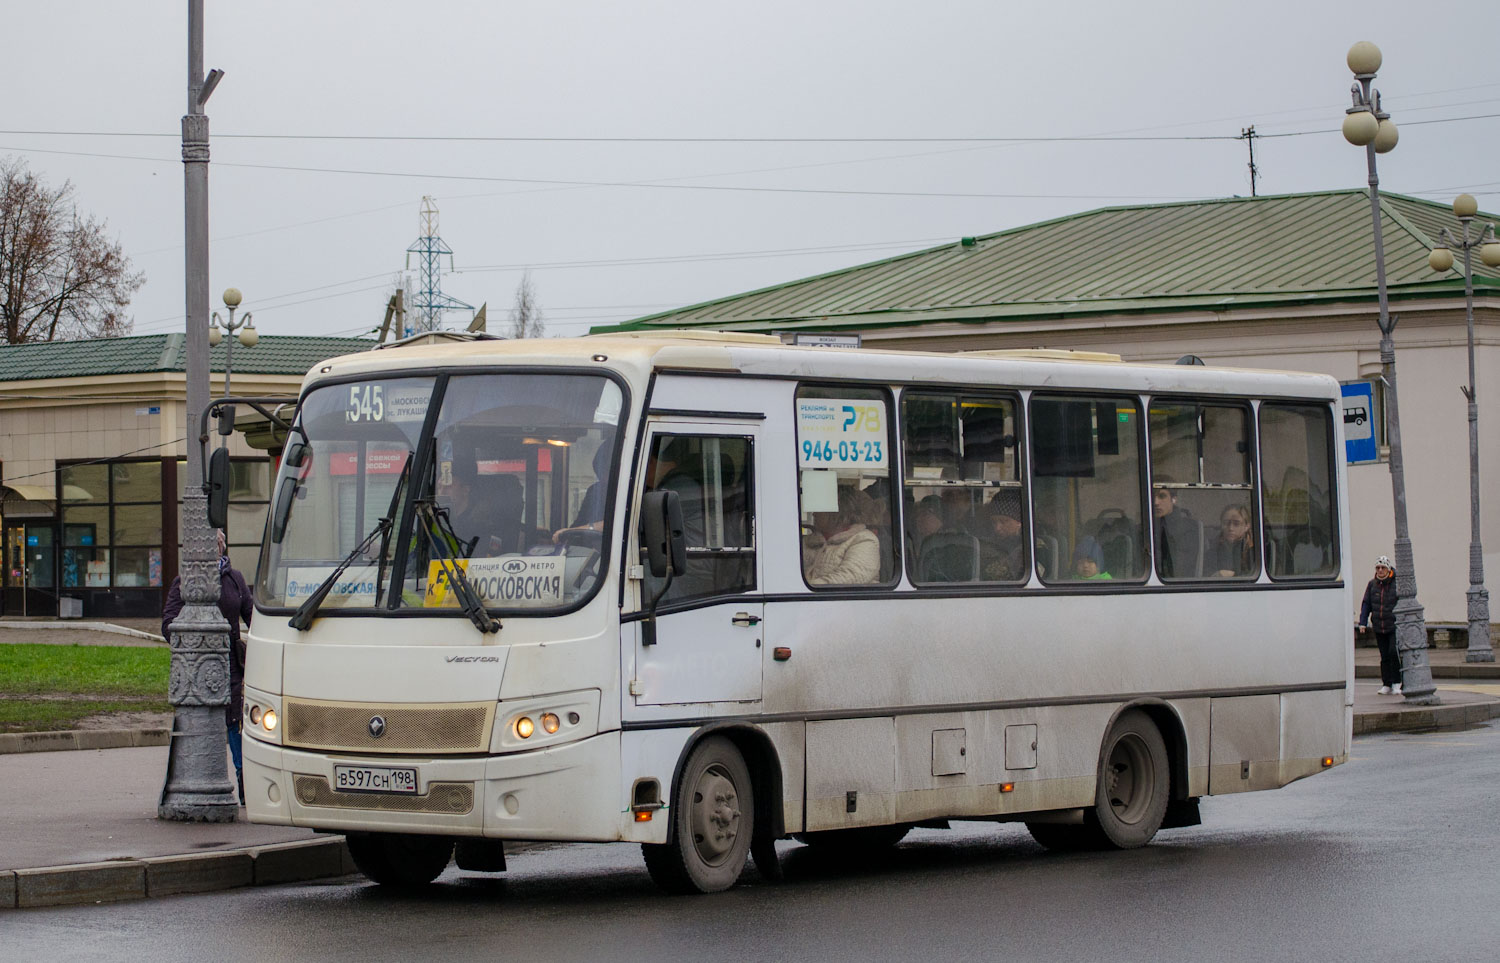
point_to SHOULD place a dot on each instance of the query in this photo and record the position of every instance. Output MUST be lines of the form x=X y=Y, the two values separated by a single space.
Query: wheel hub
x=716 y=815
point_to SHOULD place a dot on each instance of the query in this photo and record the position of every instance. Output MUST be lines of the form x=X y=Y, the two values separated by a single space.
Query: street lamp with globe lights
x=1481 y=648
x=1367 y=125
x=247 y=335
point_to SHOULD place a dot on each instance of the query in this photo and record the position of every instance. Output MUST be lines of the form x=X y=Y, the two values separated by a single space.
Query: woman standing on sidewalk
x=1379 y=612
x=236 y=603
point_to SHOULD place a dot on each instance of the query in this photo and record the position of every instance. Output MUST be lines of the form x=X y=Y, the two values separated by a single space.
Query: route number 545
x=366 y=403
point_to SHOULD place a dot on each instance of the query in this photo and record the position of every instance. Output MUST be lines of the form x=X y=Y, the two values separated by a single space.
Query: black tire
x=394 y=859
x=713 y=815
x=1134 y=784
x=858 y=843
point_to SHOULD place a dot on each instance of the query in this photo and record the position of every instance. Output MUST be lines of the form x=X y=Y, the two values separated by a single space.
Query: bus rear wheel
x=395 y=859
x=1130 y=800
x=1134 y=784
x=712 y=814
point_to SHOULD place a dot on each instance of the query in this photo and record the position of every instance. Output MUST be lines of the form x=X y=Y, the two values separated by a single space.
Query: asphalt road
x=1391 y=857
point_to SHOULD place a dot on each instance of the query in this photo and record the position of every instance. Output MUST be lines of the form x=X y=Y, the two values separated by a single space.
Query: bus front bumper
x=559 y=793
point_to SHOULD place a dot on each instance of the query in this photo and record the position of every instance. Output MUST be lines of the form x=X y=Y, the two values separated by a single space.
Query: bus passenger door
x=708 y=634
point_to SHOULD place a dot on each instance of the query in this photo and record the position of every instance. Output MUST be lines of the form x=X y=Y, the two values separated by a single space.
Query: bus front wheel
x=712 y=816
x=394 y=859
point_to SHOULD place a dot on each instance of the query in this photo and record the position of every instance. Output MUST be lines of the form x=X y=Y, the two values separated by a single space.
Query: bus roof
x=638 y=354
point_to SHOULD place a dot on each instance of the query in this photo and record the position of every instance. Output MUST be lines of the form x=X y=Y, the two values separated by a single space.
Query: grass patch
x=49 y=715
x=114 y=672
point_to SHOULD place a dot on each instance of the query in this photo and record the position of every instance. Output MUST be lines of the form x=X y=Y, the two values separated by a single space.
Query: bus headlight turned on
x=262 y=719
x=545 y=721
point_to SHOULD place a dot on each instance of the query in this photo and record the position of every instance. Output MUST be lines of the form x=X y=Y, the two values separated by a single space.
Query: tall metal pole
x=197 y=787
x=1481 y=649
x=1411 y=627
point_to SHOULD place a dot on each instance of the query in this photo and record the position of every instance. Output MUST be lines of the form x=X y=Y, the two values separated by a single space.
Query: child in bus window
x=1088 y=560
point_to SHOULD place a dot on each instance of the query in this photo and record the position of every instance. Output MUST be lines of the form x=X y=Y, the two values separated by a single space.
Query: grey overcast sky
x=313 y=224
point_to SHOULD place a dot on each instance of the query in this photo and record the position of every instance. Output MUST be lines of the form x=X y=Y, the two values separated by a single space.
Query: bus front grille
x=450 y=798
x=404 y=728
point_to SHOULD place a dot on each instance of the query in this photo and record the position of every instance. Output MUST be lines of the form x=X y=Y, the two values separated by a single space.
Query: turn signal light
x=269 y=720
x=1007 y=787
x=525 y=727
x=1327 y=761
x=643 y=817
x=255 y=715
x=550 y=722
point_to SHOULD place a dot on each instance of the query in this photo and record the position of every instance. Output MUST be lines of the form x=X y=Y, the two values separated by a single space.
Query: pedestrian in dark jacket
x=236 y=602
x=1378 y=611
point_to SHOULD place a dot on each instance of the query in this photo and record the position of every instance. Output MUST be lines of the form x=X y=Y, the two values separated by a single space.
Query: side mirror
x=662 y=533
x=218 y=488
x=295 y=453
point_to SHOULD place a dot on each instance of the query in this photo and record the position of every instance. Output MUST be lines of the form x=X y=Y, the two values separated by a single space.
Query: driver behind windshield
x=484 y=510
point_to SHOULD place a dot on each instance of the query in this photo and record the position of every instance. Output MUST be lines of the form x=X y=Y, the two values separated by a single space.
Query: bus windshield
x=508 y=493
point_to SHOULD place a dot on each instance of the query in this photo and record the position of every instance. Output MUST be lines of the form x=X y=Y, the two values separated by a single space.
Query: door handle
x=745 y=619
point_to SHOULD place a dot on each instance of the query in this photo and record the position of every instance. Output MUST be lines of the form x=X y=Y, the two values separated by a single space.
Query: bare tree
x=526 y=319
x=61 y=277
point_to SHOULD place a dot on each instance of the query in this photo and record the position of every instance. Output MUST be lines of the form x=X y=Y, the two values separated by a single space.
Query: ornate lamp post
x=1441 y=259
x=198 y=787
x=247 y=336
x=1367 y=126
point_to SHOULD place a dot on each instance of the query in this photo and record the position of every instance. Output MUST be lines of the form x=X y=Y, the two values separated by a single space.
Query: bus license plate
x=374 y=779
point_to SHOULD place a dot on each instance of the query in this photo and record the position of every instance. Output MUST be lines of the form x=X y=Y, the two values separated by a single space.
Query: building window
x=111 y=525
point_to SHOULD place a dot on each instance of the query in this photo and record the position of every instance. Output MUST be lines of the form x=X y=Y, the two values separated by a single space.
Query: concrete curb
x=1469 y=670
x=85 y=626
x=125 y=879
x=1425 y=717
x=82 y=739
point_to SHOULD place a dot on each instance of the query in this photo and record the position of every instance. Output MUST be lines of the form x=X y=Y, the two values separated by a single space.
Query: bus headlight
x=545 y=720
x=269 y=720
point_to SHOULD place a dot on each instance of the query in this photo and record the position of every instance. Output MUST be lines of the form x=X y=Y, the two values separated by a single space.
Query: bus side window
x=1087 y=487
x=845 y=494
x=1202 y=499
x=713 y=477
x=962 y=491
x=1297 y=489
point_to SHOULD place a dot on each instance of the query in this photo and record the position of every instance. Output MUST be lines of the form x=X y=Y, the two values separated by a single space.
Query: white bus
x=706 y=591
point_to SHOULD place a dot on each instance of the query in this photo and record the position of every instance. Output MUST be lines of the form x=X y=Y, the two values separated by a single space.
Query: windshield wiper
x=440 y=536
x=308 y=610
x=390 y=526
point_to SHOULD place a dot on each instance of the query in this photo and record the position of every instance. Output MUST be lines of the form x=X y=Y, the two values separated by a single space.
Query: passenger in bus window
x=841 y=549
x=1002 y=554
x=1179 y=536
x=1088 y=560
x=484 y=510
x=1233 y=553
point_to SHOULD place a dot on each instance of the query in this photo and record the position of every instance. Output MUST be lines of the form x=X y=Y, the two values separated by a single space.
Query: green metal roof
x=274 y=354
x=1213 y=254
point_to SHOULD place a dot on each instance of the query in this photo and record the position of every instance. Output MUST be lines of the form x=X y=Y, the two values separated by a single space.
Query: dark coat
x=1378 y=610
x=236 y=602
